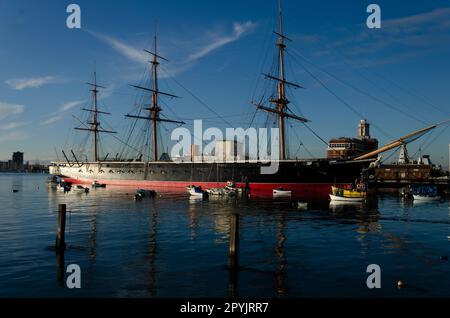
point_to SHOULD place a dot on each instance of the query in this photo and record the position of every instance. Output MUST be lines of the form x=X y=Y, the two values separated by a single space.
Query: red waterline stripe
x=298 y=189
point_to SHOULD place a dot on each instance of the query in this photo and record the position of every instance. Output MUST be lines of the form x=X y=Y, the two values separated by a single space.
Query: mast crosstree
x=154 y=109
x=280 y=102
x=94 y=125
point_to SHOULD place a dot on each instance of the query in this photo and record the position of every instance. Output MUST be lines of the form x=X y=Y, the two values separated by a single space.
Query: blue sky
x=397 y=77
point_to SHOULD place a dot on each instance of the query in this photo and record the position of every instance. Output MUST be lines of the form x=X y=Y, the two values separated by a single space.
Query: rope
x=361 y=91
x=435 y=138
x=202 y=102
x=360 y=115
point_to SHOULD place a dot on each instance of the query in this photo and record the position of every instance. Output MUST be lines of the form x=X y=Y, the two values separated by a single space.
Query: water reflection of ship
x=281 y=270
x=220 y=216
x=92 y=250
x=153 y=249
x=223 y=206
x=366 y=214
x=221 y=219
x=193 y=219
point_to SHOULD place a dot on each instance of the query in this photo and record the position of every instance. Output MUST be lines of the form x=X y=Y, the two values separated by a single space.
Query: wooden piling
x=234 y=241
x=60 y=269
x=60 y=238
x=233 y=256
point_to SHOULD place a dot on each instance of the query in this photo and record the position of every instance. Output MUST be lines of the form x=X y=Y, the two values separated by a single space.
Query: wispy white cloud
x=55 y=116
x=31 y=82
x=239 y=30
x=51 y=120
x=107 y=92
x=69 y=105
x=398 y=39
x=12 y=125
x=197 y=51
x=123 y=48
x=8 y=109
x=435 y=16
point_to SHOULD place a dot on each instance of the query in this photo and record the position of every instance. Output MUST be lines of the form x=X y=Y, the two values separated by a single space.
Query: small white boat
x=189 y=188
x=231 y=186
x=346 y=203
x=222 y=191
x=95 y=184
x=425 y=198
x=216 y=191
x=425 y=193
x=302 y=205
x=279 y=192
x=197 y=192
x=345 y=199
x=79 y=188
x=64 y=186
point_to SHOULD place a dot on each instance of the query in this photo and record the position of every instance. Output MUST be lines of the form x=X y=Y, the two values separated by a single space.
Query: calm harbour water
x=171 y=246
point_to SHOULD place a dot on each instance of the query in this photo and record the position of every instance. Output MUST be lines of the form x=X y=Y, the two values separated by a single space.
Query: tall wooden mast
x=94 y=119
x=154 y=109
x=280 y=102
x=94 y=125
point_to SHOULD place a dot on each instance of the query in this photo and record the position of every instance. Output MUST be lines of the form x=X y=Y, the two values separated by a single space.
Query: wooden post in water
x=234 y=241
x=60 y=238
x=60 y=269
x=233 y=255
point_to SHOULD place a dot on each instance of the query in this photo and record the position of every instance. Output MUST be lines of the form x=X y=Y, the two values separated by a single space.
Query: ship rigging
x=280 y=101
x=155 y=109
x=94 y=125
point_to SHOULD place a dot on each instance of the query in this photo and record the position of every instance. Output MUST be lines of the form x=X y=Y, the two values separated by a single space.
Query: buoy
x=400 y=284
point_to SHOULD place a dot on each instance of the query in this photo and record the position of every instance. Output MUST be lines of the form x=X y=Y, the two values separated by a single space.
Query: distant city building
x=17 y=164
x=17 y=161
x=229 y=150
x=4 y=166
x=196 y=155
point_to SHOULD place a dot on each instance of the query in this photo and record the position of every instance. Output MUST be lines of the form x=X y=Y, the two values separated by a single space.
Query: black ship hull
x=306 y=178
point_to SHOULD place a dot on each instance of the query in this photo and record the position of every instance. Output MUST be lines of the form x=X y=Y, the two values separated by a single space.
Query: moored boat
x=280 y=192
x=346 y=199
x=302 y=205
x=80 y=188
x=96 y=184
x=219 y=192
x=338 y=194
x=197 y=192
x=142 y=193
x=64 y=186
x=425 y=193
x=229 y=190
x=426 y=198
